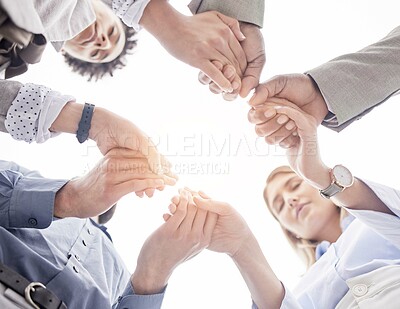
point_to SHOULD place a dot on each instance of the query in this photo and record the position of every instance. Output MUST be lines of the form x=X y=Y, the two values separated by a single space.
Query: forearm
x=358 y=196
x=70 y=116
x=265 y=288
x=365 y=79
x=160 y=18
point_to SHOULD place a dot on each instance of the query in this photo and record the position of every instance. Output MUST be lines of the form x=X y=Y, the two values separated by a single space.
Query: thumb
x=233 y=24
x=248 y=83
x=267 y=89
x=208 y=205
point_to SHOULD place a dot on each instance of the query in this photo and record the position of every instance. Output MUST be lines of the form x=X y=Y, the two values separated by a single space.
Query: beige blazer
x=251 y=11
x=354 y=84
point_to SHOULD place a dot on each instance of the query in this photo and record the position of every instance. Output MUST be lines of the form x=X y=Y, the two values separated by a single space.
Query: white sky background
x=162 y=96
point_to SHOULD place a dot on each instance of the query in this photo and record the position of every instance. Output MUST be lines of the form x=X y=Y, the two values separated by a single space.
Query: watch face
x=343 y=176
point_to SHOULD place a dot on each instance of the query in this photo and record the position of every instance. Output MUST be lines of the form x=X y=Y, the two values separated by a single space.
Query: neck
x=331 y=231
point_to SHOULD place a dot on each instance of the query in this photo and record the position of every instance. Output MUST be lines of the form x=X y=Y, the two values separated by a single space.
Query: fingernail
x=269 y=113
x=228 y=89
x=235 y=85
x=289 y=126
x=295 y=133
x=230 y=71
x=282 y=119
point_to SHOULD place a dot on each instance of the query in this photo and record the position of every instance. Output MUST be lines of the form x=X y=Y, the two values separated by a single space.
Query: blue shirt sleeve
x=130 y=300
x=26 y=198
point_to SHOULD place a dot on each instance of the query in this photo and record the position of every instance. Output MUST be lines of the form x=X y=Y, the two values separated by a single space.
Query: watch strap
x=331 y=190
x=84 y=124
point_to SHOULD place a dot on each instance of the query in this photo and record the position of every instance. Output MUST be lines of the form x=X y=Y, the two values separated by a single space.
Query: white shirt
x=370 y=242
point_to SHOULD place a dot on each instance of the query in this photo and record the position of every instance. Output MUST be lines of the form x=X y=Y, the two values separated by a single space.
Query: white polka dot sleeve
x=130 y=11
x=33 y=111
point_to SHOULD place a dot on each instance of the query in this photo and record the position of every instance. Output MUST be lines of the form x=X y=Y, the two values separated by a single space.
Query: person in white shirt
x=360 y=267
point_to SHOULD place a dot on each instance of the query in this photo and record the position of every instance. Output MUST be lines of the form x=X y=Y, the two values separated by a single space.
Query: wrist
x=68 y=119
x=320 y=177
x=100 y=120
x=248 y=249
x=63 y=201
x=148 y=282
x=159 y=18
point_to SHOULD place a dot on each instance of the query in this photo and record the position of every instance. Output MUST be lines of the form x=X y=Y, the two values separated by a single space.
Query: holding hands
x=247 y=78
x=119 y=172
x=181 y=237
x=300 y=90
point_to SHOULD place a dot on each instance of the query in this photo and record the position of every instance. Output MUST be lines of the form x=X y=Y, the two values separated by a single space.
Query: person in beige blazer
x=336 y=93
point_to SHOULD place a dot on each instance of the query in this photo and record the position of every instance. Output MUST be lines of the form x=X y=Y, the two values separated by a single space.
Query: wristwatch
x=341 y=178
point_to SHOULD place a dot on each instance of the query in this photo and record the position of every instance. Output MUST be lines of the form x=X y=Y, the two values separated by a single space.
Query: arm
x=365 y=78
x=30 y=200
x=183 y=236
x=36 y=113
x=197 y=40
x=26 y=198
x=251 y=16
x=8 y=90
x=233 y=237
x=348 y=86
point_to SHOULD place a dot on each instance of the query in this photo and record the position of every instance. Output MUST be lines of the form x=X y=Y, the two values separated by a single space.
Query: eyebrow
x=284 y=185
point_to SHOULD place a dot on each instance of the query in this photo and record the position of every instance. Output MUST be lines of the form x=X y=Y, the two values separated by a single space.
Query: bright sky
x=210 y=142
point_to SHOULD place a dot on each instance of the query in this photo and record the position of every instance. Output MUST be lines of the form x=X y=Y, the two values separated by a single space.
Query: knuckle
x=260 y=131
x=272 y=139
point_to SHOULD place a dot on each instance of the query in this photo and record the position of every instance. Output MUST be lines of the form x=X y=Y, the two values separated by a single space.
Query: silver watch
x=341 y=179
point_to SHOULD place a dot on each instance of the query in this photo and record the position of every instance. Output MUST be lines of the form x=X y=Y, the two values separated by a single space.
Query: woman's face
x=299 y=207
x=102 y=41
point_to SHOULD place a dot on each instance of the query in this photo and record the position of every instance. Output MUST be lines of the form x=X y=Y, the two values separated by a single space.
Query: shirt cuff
x=130 y=300
x=33 y=111
x=32 y=202
x=130 y=11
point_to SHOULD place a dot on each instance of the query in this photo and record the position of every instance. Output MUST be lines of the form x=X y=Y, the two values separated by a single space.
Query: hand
x=231 y=231
x=304 y=156
x=183 y=236
x=197 y=40
x=253 y=47
x=299 y=89
x=118 y=173
x=109 y=131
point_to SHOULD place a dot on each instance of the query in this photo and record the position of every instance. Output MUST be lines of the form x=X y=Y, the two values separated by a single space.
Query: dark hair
x=97 y=71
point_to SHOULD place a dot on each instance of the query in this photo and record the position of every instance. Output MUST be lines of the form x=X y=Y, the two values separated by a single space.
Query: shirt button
x=75 y=269
x=77 y=257
x=84 y=242
x=89 y=232
x=360 y=290
x=32 y=221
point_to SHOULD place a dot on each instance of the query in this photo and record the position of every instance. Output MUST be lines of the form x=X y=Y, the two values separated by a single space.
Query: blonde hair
x=304 y=248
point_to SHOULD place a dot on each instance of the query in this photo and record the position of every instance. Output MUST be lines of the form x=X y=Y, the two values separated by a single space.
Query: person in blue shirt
x=361 y=266
x=47 y=236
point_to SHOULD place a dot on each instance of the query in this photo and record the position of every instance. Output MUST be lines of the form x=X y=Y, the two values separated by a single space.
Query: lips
x=299 y=208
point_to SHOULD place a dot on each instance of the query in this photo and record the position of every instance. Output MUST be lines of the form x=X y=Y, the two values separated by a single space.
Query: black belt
x=35 y=293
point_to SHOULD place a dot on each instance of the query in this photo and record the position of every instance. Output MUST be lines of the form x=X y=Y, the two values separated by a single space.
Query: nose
x=292 y=201
x=102 y=41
